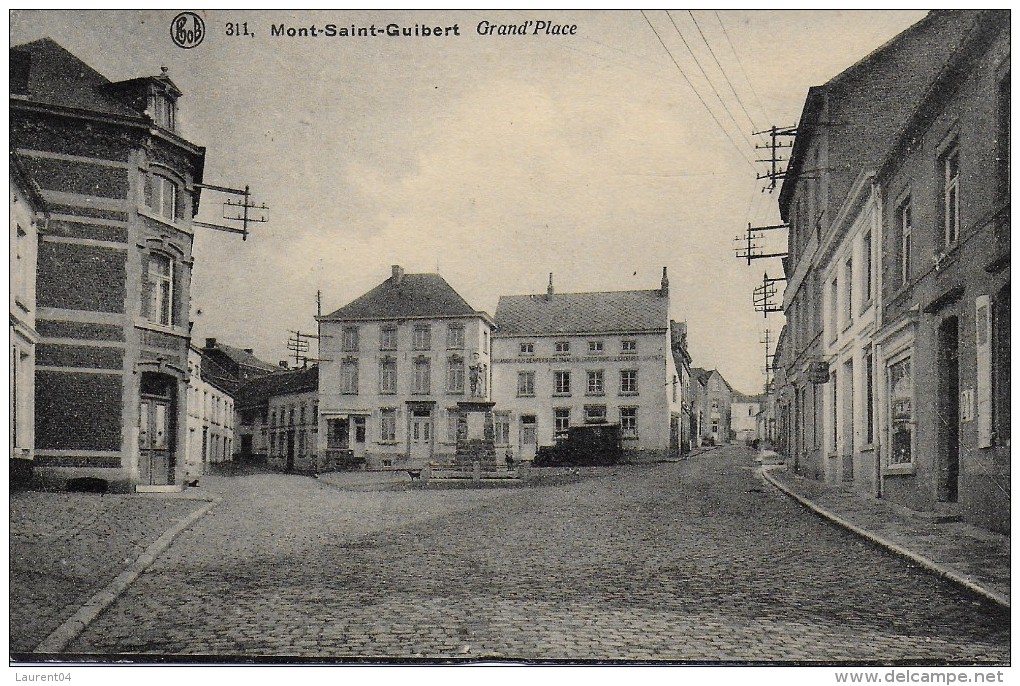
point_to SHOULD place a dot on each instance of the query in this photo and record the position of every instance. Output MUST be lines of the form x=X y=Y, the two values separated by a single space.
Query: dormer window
x=163 y=111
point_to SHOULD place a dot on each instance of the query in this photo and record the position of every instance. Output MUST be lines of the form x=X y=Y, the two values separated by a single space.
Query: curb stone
x=923 y=561
x=60 y=637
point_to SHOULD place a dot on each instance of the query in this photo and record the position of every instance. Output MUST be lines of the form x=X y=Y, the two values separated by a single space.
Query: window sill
x=455 y=393
x=629 y=438
x=149 y=214
x=525 y=395
x=161 y=328
x=561 y=395
x=629 y=393
x=595 y=394
x=387 y=443
x=898 y=469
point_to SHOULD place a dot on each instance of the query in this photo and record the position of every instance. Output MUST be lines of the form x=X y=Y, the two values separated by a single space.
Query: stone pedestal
x=475 y=436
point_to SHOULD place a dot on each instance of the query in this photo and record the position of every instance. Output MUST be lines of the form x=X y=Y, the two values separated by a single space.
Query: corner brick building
x=114 y=267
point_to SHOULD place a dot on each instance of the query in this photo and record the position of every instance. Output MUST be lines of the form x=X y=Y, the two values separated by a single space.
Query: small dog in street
x=415 y=474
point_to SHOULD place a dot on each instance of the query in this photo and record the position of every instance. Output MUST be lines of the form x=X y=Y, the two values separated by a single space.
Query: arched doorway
x=157 y=429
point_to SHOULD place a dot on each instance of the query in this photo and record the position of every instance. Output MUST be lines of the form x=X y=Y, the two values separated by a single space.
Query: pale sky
x=498 y=159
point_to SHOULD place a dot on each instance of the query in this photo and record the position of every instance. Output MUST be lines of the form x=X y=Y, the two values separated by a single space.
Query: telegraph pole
x=775 y=159
x=239 y=210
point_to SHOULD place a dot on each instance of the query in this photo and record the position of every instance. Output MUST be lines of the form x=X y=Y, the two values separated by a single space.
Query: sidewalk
x=970 y=556
x=67 y=550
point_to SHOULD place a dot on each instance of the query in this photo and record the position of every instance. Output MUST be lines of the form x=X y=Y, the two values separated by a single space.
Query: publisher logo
x=187 y=30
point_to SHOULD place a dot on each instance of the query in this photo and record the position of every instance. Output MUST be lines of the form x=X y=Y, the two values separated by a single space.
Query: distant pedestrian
x=509 y=459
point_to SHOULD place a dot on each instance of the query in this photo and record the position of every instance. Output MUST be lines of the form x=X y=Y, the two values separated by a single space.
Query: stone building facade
x=401 y=364
x=585 y=358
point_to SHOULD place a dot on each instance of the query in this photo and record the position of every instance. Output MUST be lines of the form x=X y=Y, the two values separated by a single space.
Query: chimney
x=283 y=364
x=398 y=274
x=549 y=289
x=664 y=284
x=250 y=351
x=210 y=342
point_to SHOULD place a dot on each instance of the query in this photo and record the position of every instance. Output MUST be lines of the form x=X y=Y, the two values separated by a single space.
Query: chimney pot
x=549 y=290
x=398 y=273
x=250 y=351
x=664 y=285
x=283 y=364
x=210 y=342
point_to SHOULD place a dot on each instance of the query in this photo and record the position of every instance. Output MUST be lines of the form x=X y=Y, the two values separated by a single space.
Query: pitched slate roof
x=701 y=375
x=215 y=369
x=256 y=392
x=410 y=296
x=563 y=313
x=56 y=77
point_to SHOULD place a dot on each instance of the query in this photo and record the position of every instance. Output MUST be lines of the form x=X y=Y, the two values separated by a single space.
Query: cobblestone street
x=696 y=561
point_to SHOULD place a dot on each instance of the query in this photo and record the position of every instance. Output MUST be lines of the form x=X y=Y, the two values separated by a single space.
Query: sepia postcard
x=431 y=338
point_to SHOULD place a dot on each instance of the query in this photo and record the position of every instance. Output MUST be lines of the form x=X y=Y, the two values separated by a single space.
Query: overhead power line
x=722 y=71
x=741 y=65
x=708 y=79
x=689 y=83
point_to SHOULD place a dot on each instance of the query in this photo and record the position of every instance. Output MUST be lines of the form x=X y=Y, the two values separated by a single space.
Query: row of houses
x=106 y=381
x=892 y=372
x=407 y=365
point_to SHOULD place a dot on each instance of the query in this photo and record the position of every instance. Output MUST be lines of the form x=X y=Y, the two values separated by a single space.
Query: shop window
x=901 y=412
